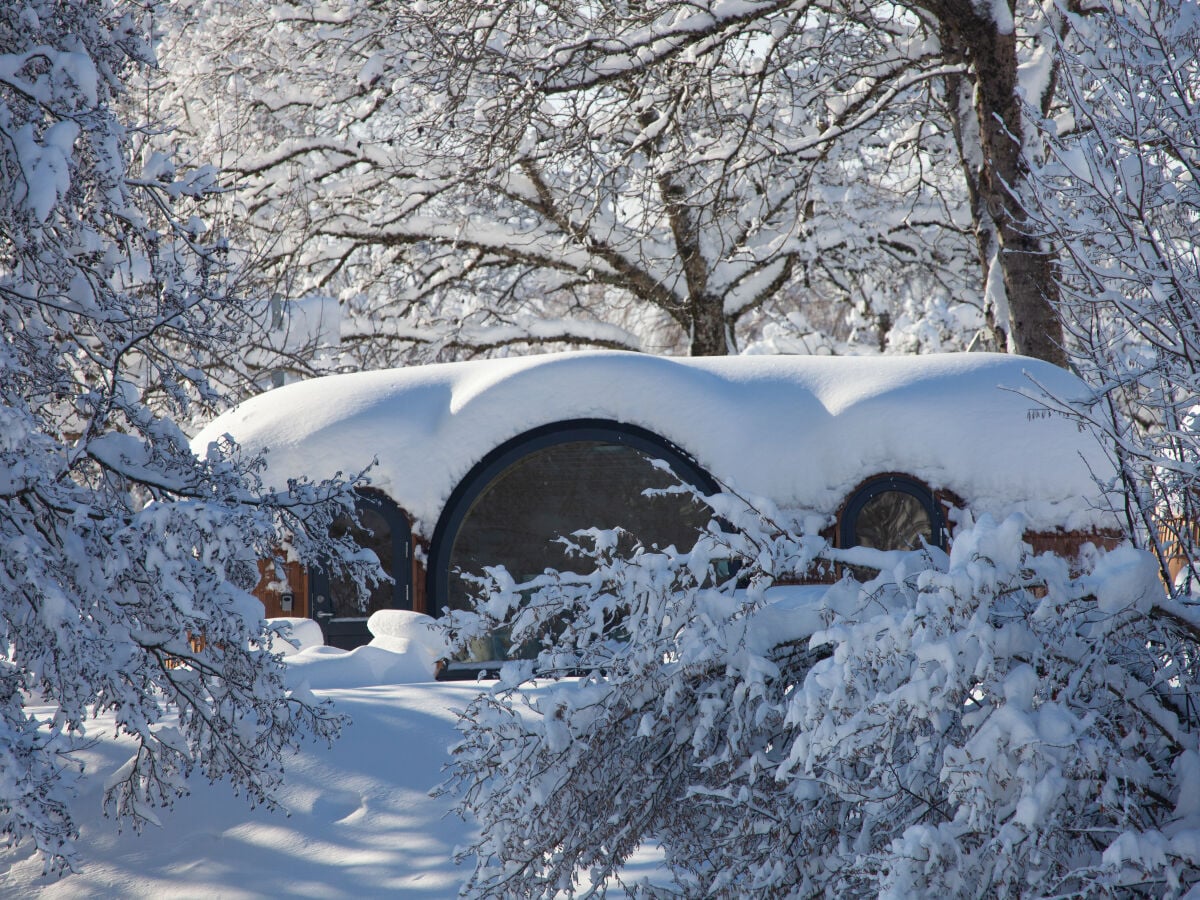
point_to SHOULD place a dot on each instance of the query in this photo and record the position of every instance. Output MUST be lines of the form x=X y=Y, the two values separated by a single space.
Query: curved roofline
x=798 y=432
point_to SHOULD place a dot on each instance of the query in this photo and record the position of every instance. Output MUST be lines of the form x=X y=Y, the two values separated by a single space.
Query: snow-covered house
x=487 y=462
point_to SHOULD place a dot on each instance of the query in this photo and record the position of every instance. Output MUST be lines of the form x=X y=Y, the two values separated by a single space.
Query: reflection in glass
x=374 y=534
x=516 y=519
x=894 y=520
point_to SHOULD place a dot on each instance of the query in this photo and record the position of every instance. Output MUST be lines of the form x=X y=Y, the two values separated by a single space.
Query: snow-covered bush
x=987 y=723
x=125 y=560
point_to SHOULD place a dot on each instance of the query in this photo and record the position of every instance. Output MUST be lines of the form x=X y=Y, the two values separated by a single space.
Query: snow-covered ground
x=354 y=820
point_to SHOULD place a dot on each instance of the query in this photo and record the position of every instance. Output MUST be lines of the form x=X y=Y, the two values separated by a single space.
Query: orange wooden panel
x=1067 y=543
x=272 y=600
x=1170 y=535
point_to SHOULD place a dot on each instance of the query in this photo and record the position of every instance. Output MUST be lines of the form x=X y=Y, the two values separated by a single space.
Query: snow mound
x=292 y=635
x=404 y=631
x=405 y=649
x=330 y=668
x=802 y=431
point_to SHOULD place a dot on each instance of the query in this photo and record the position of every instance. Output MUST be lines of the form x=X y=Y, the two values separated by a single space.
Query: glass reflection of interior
x=894 y=520
x=553 y=492
x=891 y=520
x=374 y=534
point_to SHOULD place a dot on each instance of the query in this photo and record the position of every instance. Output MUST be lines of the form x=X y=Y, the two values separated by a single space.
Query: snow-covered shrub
x=987 y=723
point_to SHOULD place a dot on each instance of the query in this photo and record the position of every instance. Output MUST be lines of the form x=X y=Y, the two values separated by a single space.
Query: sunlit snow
x=801 y=431
x=354 y=820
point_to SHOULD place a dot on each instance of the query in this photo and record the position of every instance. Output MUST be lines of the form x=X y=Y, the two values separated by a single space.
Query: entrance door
x=384 y=530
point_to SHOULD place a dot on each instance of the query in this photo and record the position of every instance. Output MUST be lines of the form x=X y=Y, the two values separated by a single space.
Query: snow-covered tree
x=991 y=723
x=986 y=723
x=471 y=176
x=125 y=560
x=1119 y=191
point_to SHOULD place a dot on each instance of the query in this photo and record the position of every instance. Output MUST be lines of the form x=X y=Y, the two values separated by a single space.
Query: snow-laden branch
x=1033 y=728
x=727 y=138
x=127 y=561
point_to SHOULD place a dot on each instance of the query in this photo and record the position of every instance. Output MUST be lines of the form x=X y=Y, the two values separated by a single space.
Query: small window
x=892 y=513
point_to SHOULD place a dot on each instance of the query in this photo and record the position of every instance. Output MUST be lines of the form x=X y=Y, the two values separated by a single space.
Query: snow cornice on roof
x=799 y=430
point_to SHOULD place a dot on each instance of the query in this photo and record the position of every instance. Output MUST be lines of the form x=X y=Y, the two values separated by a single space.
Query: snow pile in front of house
x=293 y=635
x=404 y=649
x=403 y=631
x=802 y=431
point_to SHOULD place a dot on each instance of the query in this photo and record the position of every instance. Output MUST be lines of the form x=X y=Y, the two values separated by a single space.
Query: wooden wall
x=1067 y=543
x=1064 y=543
x=297 y=579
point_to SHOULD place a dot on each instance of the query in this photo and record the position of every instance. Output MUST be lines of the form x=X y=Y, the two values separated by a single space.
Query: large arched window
x=892 y=512
x=552 y=481
x=384 y=530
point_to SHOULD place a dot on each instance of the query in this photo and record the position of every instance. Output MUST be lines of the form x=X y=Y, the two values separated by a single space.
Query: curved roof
x=799 y=430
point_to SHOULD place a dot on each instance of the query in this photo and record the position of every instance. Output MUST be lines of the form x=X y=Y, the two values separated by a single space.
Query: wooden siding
x=1068 y=543
x=297 y=579
x=1169 y=536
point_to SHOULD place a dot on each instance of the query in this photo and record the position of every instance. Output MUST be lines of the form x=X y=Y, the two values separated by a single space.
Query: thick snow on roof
x=799 y=430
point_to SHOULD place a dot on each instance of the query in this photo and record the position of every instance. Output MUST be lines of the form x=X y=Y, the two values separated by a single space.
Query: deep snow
x=354 y=820
x=801 y=431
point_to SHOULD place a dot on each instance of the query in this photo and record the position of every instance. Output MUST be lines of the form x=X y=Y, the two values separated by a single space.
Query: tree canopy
x=669 y=176
x=126 y=559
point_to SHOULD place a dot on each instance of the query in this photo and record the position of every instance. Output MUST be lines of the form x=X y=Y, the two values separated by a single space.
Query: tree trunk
x=1027 y=266
x=708 y=337
x=960 y=108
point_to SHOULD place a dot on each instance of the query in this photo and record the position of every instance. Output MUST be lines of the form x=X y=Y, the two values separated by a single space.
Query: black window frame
x=882 y=484
x=483 y=474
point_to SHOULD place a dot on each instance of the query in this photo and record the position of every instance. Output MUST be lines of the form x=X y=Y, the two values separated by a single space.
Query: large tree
x=662 y=176
x=1006 y=50
x=1119 y=192
x=125 y=560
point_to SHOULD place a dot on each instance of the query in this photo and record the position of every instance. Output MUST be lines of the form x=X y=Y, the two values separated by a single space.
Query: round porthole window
x=892 y=513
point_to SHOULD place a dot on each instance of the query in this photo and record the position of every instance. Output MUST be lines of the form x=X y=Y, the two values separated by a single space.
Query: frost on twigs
x=986 y=723
x=125 y=560
x=1117 y=189
x=670 y=176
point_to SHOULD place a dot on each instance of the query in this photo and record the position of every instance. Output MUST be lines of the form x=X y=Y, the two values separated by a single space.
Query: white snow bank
x=294 y=635
x=404 y=631
x=333 y=668
x=802 y=431
x=404 y=649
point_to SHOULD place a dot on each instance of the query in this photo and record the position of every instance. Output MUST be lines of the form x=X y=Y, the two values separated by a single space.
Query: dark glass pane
x=375 y=534
x=555 y=491
x=893 y=520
